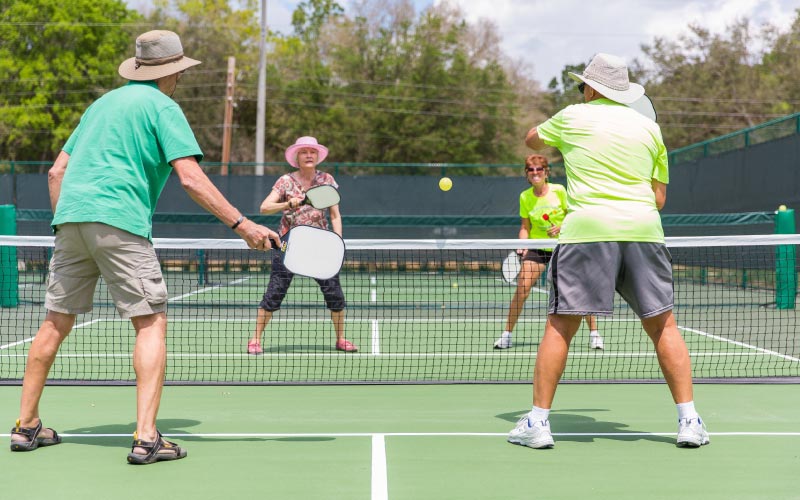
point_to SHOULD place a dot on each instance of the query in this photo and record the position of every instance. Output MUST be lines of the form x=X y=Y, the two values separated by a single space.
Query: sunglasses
x=581 y=87
x=534 y=169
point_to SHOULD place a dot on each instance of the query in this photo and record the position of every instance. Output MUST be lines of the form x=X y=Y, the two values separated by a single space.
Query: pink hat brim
x=291 y=153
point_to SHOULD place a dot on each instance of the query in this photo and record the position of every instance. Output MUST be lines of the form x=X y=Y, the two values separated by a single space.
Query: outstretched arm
x=200 y=188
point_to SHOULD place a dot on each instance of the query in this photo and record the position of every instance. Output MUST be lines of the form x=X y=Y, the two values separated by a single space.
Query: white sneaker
x=536 y=435
x=504 y=342
x=596 y=342
x=692 y=433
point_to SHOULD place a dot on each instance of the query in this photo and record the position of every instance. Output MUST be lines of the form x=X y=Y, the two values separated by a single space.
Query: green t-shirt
x=533 y=207
x=611 y=154
x=119 y=158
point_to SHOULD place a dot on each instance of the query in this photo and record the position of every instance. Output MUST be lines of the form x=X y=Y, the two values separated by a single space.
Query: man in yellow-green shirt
x=611 y=239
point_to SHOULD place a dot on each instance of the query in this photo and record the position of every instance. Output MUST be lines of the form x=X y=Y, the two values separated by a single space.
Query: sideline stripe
x=380 y=486
x=30 y=339
x=100 y=320
x=740 y=344
x=412 y=434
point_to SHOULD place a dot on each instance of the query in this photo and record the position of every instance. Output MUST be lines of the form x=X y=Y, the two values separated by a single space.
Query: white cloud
x=551 y=34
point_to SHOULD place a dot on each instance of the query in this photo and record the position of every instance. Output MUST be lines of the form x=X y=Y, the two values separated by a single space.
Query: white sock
x=539 y=414
x=506 y=332
x=594 y=333
x=686 y=411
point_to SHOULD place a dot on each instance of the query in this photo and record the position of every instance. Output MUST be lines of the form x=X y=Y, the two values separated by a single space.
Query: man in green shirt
x=104 y=186
x=611 y=238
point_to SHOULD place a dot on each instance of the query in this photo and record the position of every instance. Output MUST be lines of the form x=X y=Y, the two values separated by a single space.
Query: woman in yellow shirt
x=542 y=208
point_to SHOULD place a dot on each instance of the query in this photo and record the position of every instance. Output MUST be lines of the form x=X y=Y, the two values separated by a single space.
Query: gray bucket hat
x=159 y=53
x=608 y=75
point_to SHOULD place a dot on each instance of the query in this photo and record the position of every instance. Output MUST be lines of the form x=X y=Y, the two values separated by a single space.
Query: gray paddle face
x=644 y=106
x=322 y=196
x=313 y=252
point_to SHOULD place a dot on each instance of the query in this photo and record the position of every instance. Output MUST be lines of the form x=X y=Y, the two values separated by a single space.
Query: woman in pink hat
x=287 y=196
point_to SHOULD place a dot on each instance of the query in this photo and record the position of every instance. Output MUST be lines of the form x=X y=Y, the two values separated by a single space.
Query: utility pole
x=228 y=123
x=262 y=91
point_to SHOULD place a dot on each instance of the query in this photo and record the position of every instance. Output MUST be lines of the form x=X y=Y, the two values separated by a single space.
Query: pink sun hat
x=305 y=142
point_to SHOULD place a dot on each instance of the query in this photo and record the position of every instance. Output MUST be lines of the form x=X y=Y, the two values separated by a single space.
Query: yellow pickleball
x=782 y=208
x=445 y=183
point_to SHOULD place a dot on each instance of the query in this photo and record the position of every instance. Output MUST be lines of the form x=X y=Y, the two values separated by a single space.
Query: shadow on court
x=171 y=429
x=574 y=421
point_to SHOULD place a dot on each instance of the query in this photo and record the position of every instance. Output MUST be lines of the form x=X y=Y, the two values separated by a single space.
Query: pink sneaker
x=346 y=346
x=254 y=347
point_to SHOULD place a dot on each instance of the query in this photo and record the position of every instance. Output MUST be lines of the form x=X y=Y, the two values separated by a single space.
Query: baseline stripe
x=412 y=434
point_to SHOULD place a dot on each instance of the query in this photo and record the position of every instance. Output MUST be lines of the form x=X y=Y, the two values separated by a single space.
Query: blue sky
x=547 y=35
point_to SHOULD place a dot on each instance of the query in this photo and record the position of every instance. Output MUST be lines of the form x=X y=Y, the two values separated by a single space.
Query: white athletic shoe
x=536 y=435
x=692 y=433
x=596 y=342
x=504 y=342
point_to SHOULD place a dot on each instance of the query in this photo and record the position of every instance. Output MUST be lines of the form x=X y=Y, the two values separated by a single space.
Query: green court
x=412 y=442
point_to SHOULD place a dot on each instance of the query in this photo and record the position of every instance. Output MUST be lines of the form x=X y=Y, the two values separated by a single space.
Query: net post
x=785 y=262
x=201 y=267
x=9 y=274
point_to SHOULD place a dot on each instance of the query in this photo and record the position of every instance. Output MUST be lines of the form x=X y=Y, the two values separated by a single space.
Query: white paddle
x=644 y=106
x=313 y=252
x=511 y=267
x=321 y=197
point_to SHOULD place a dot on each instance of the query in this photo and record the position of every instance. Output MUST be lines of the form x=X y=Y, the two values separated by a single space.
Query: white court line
x=179 y=435
x=30 y=339
x=740 y=344
x=98 y=320
x=405 y=355
x=380 y=486
x=361 y=320
x=376 y=338
x=206 y=289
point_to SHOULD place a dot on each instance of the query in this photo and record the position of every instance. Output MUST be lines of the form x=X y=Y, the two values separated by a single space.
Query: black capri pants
x=280 y=278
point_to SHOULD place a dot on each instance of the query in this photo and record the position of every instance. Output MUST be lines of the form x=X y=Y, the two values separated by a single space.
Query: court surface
x=411 y=442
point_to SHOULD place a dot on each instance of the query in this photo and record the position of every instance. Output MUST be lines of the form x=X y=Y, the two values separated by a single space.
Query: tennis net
x=420 y=311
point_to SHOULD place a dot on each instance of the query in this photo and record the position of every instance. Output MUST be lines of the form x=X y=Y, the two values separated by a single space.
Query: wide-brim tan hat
x=608 y=75
x=159 y=53
x=305 y=142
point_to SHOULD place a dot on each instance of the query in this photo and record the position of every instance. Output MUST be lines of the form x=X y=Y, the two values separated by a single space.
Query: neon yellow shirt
x=533 y=207
x=611 y=154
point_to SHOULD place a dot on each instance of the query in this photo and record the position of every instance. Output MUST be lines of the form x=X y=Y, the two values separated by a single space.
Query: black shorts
x=538 y=255
x=280 y=278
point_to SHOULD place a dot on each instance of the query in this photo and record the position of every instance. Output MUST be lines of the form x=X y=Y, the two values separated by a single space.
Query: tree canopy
x=378 y=82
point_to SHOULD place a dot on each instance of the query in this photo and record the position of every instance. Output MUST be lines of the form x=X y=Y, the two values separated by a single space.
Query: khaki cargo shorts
x=128 y=264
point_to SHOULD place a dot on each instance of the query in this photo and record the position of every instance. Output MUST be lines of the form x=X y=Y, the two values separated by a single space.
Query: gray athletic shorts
x=583 y=277
x=85 y=251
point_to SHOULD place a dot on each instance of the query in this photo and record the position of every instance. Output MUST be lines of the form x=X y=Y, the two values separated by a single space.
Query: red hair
x=538 y=160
